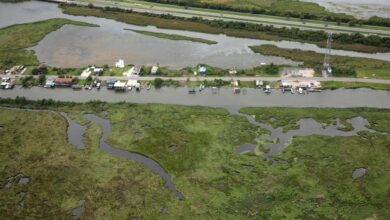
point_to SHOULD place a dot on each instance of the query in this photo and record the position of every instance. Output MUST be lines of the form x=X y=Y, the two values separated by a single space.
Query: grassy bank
x=174 y=37
x=287 y=8
x=353 y=85
x=343 y=65
x=16 y=38
x=235 y=29
x=314 y=180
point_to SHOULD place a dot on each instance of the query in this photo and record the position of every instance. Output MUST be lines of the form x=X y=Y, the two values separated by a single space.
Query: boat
x=267 y=89
x=201 y=87
x=148 y=87
x=214 y=90
x=98 y=85
x=300 y=90
x=76 y=87
x=192 y=91
x=237 y=90
x=292 y=91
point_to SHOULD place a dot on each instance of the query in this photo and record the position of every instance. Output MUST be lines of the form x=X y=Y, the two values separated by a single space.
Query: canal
x=224 y=97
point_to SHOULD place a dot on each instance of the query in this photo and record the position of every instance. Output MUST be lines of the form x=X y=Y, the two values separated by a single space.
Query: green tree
x=41 y=79
x=158 y=82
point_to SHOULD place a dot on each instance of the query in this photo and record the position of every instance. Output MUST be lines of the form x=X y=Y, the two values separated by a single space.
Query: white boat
x=300 y=90
x=267 y=89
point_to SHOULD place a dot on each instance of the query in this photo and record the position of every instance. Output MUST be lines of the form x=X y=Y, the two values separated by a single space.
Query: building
x=63 y=81
x=110 y=83
x=154 y=70
x=202 y=69
x=49 y=83
x=120 y=64
x=120 y=85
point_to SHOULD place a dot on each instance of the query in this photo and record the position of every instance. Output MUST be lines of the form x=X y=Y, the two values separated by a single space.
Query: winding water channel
x=75 y=46
x=307 y=127
x=75 y=137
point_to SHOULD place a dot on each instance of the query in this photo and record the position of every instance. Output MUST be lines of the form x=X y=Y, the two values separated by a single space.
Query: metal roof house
x=110 y=83
x=120 y=85
x=49 y=83
x=64 y=81
x=202 y=69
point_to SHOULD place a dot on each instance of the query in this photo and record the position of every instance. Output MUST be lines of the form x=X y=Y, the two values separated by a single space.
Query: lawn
x=196 y=147
x=363 y=67
x=353 y=85
x=16 y=38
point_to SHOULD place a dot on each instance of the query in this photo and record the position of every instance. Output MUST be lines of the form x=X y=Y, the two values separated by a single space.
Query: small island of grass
x=16 y=38
x=174 y=37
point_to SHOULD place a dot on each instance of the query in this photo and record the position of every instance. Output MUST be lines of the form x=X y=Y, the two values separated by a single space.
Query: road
x=140 y=6
x=228 y=78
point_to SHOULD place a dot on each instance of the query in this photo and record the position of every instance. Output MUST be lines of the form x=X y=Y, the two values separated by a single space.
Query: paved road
x=272 y=79
x=230 y=16
x=227 y=78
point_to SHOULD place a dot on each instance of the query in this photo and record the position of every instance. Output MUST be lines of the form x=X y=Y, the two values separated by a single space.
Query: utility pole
x=327 y=69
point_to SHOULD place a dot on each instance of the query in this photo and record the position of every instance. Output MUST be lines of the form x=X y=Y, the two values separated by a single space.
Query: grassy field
x=353 y=85
x=143 y=20
x=363 y=67
x=282 y=7
x=314 y=182
x=175 y=37
x=16 y=38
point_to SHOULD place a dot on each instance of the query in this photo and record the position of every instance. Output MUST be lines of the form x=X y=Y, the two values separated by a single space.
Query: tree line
x=291 y=33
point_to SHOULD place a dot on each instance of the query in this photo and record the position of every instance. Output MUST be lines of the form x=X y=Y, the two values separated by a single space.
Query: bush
x=41 y=79
x=158 y=82
x=271 y=69
x=344 y=71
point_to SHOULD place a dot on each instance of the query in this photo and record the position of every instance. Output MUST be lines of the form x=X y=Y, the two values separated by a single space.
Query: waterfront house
x=110 y=83
x=202 y=69
x=63 y=81
x=120 y=64
x=154 y=70
x=49 y=83
x=120 y=85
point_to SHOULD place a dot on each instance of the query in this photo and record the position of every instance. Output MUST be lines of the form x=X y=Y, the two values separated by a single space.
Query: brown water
x=307 y=127
x=341 y=98
x=74 y=46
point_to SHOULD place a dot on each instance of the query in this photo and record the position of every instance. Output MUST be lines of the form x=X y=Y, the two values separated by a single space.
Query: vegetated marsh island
x=16 y=38
x=372 y=44
x=173 y=36
x=312 y=176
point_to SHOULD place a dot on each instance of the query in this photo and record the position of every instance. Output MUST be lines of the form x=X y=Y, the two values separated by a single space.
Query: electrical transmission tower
x=327 y=69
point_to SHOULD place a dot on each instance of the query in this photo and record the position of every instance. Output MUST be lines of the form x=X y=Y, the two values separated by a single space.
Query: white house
x=120 y=64
x=154 y=70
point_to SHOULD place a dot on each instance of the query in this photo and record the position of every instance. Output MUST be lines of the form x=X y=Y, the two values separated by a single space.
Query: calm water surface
x=358 y=8
x=74 y=46
x=342 y=98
